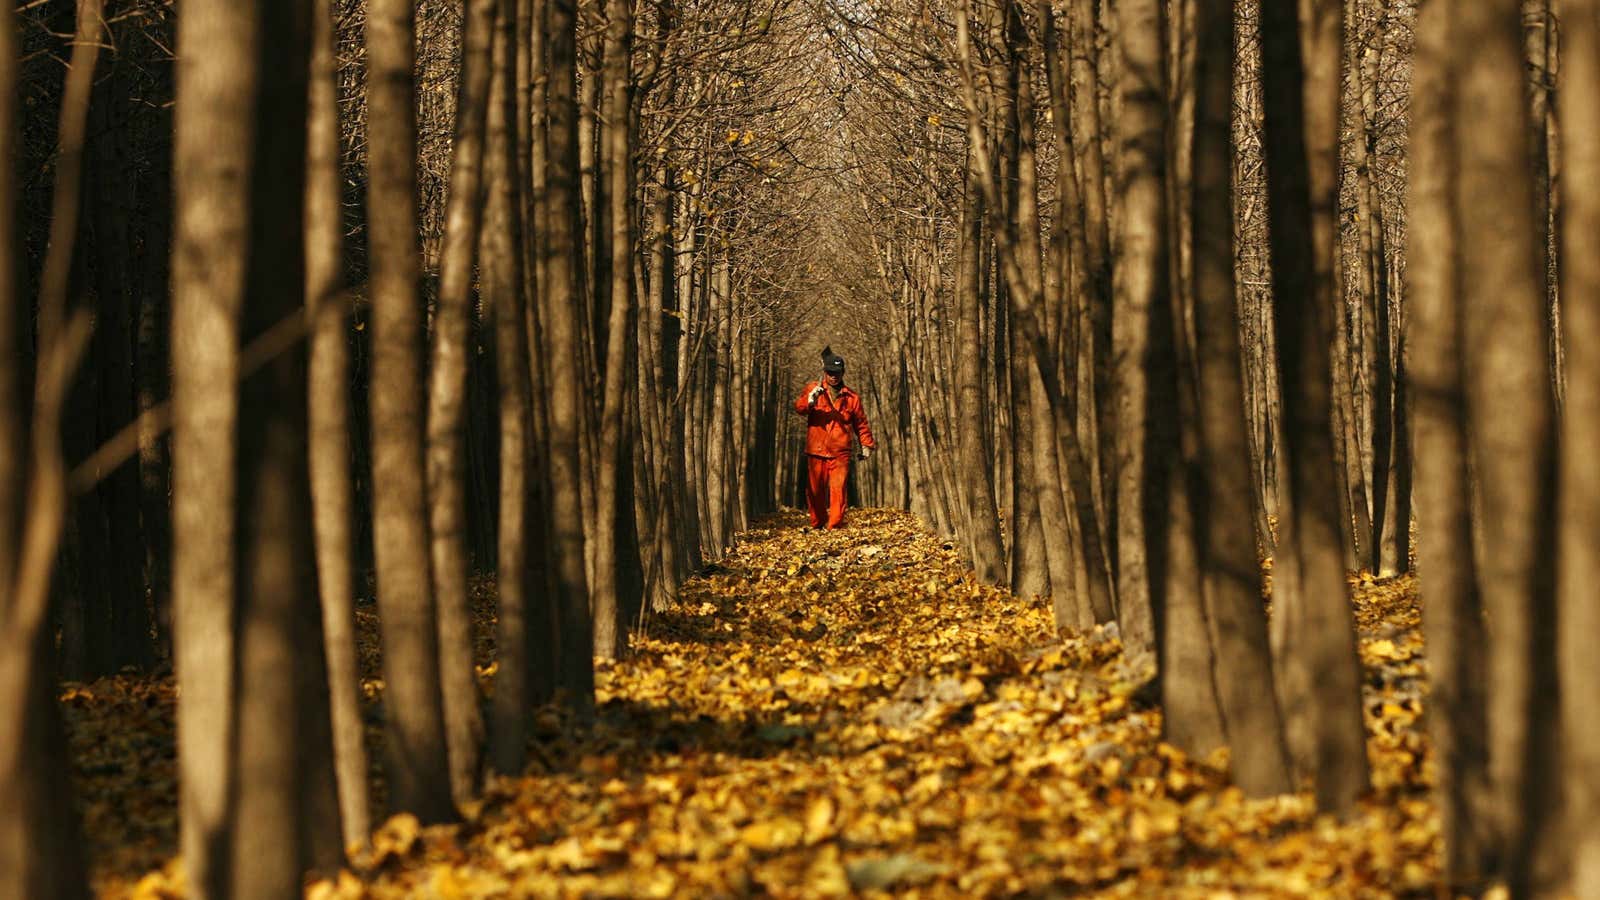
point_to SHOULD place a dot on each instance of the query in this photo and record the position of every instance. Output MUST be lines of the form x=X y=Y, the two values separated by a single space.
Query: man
x=833 y=412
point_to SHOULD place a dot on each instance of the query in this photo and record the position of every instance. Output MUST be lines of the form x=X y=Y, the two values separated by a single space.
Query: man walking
x=833 y=412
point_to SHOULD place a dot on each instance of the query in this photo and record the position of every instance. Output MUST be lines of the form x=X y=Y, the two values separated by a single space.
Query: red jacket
x=830 y=425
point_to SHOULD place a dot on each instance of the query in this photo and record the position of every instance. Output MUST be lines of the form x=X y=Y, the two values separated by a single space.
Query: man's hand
x=812 y=398
x=866 y=452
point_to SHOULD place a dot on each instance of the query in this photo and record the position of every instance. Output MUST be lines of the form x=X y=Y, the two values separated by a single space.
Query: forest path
x=833 y=713
x=828 y=713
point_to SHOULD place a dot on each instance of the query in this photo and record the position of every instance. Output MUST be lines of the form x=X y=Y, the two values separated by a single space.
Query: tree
x=257 y=785
x=446 y=418
x=39 y=846
x=418 y=766
x=1300 y=52
x=1509 y=424
x=1453 y=614
x=1241 y=654
x=1578 y=611
x=560 y=313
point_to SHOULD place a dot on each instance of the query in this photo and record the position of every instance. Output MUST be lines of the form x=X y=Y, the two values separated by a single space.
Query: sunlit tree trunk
x=1141 y=286
x=615 y=450
x=988 y=553
x=329 y=428
x=447 y=394
x=1096 y=312
x=208 y=275
x=418 y=766
x=1579 y=535
x=40 y=849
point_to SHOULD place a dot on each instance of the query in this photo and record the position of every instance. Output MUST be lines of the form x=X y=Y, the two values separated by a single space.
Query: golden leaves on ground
x=828 y=714
x=848 y=713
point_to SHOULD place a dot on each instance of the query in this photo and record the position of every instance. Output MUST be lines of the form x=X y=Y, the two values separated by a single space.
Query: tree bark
x=988 y=553
x=502 y=279
x=211 y=153
x=418 y=765
x=608 y=592
x=1579 y=571
x=329 y=425
x=1230 y=572
x=1140 y=288
x=40 y=849
x=446 y=419
x=1509 y=421
x=278 y=705
x=565 y=307
x=1097 y=311
x=1452 y=617
x=1318 y=666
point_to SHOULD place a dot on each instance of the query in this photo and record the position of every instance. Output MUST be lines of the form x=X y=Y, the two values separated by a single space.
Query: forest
x=401 y=491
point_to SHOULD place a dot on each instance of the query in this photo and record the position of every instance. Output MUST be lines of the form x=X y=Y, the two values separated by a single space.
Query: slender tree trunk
x=988 y=553
x=1509 y=419
x=607 y=591
x=278 y=705
x=1141 y=287
x=1319 y=670
x=1077 y=442
x=565 y=306
x=1086 y=133
x=446 y=419
x=40 y=849
x=502 y=287
x=329 y=425
x=15 y=408
x=1452 y=618
x=1579 y=570
x=544 y=654
x=1231 y=575
x=418 y=763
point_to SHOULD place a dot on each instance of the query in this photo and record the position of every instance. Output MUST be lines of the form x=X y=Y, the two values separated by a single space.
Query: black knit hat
x=832 y=363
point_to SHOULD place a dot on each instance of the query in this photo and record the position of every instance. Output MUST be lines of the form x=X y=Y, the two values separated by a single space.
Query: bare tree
x=446 y=419
x=329 y=427
x=418 y=767
x=1579 y=570
x=1300 y=50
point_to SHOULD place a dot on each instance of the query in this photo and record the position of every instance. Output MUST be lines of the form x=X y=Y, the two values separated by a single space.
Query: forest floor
x=838 y=713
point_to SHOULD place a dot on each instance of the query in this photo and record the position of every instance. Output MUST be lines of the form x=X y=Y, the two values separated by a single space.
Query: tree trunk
x=278 y=705
x=1319 y=670
x=565 y=307
x=329 y=429
x=1579 y=572
x=418 y=765
x=607 y=593
x=1141 y=288
x=1097 y=311
x=988 y=553
x=502 y=278
x=1231 y=576
x=1509 y=421
x=446 y=418
x=40 y=849
x=1452 y=618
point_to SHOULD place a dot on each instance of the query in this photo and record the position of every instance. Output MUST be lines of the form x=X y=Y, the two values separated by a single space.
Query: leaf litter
x=840 y=714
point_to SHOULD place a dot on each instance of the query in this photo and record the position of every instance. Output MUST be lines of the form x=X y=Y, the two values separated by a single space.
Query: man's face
x=835 y=379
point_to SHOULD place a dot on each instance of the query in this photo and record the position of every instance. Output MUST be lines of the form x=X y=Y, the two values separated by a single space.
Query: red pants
x=825 y=489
